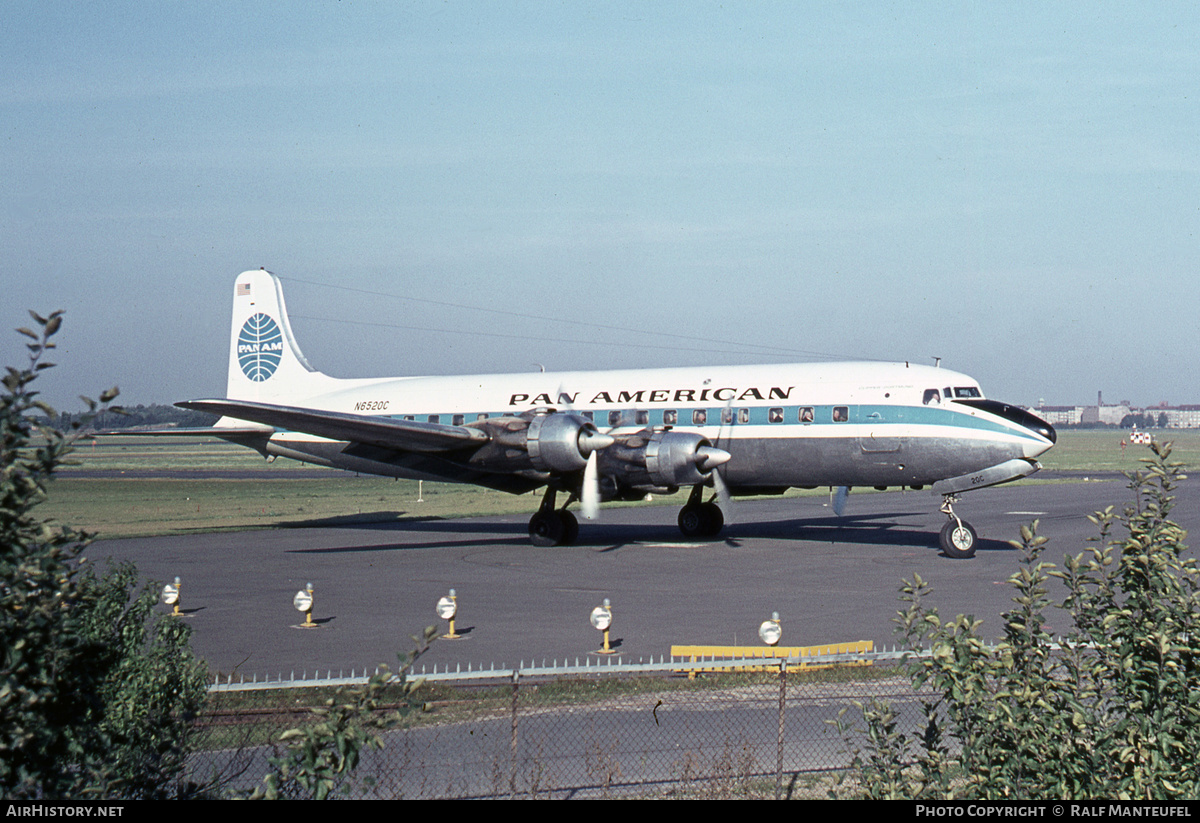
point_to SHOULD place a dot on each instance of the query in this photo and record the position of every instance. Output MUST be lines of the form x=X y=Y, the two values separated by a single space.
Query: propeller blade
x=839 y=499
x=724 y=498
x=589 y=498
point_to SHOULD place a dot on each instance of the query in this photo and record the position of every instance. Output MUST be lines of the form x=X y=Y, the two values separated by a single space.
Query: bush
x=1113 y=711
x=95 y=694
x=316 y=761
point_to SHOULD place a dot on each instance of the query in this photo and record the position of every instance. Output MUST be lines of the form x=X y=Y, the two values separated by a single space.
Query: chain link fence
x=668 y=729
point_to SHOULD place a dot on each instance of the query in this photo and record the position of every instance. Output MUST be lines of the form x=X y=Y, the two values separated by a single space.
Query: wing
x=384 y=432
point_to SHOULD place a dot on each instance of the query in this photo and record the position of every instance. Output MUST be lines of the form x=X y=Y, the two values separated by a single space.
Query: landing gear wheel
x=701 y=520
x=958 y=540
x=691 y=521
x=546 y=528
x=714 y=519
x=570 y=528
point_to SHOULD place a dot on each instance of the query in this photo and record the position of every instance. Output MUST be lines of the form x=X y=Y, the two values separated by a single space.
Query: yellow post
x=601 y=618
x=308 y=621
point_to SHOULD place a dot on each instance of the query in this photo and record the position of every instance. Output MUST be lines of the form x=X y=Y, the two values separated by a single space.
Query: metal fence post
x=779 y=731
x=512 y=776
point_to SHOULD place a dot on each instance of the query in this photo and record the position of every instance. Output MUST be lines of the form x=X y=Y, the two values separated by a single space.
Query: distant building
x=1180 y=417
x=1162 y=414
x=1061 y=415
x=1109 y=415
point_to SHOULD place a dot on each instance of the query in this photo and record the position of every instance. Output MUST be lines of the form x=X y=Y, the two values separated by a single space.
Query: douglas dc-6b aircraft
x=618 y=435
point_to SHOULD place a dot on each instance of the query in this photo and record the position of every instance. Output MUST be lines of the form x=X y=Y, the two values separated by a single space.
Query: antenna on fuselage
x=937 y=362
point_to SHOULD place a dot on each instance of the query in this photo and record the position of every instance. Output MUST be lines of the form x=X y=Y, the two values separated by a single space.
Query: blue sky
x=1012 y=187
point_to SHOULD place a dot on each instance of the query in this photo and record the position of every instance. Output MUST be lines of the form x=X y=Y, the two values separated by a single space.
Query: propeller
x=723 y=497
x=591 y=441
x=710 y=459
x=839 y=499
x=589 y=499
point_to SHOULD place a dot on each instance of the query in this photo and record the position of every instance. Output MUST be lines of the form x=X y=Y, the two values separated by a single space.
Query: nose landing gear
x=957 y=539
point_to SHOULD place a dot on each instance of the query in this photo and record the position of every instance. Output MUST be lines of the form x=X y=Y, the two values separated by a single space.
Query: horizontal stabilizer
x=385 y=432
x=201 y=431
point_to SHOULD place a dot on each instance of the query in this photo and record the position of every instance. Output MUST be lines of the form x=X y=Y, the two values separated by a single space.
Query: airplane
x=620 y=435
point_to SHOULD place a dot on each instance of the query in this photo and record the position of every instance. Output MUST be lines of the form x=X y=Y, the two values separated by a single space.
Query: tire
x=714 y=519
x=570 y=528
x=958 y=541
x=691 y=521
x=546 y=529
x=704 y=520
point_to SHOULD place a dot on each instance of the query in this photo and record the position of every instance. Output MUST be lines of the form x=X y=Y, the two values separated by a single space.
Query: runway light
x=170 y=596
x=303 y=601
x=601 y=619
x=770 y=630
x=447 y=608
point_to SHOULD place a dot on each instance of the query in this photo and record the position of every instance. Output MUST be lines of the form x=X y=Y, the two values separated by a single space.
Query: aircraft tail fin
x=265 y=361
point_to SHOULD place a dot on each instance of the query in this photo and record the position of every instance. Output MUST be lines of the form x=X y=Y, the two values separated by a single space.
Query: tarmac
x=831 y=579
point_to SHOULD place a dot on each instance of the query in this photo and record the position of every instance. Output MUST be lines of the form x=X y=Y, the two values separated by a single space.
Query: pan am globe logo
x=259 y=347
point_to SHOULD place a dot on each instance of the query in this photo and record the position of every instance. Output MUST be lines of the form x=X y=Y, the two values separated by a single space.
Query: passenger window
x=408 y=417
x=743 y=415
x=841 y=414
x=670 y=417
x=699 y=417
x=614 y=418
x=726 y=416
x=806 y=414
x=641 y=418
x=589 y=416
x=433 y=418
x=481 y=416
x=457 y=419
x=775 y=416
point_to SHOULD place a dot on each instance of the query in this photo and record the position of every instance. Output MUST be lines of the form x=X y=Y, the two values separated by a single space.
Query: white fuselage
x=785 y=425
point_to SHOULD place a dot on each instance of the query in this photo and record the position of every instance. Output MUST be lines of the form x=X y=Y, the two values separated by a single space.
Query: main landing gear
x=553 y=527
x=958 y=537
x=699 y=519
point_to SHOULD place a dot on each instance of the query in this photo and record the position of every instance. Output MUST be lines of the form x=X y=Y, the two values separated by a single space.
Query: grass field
x=250 y=493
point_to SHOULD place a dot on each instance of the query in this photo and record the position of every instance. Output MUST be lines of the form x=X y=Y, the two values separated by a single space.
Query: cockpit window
x=967 y=391
x=931 y=396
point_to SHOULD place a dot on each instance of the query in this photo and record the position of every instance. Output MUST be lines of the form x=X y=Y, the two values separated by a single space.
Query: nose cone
x=1037 y=424
x=1039 y=427
x=1046 y=436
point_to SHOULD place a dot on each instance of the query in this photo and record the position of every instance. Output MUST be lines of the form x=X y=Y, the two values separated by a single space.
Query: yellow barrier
x=699 y=653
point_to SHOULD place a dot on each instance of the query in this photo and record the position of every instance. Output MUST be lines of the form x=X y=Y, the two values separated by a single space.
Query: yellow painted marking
x=774 y=652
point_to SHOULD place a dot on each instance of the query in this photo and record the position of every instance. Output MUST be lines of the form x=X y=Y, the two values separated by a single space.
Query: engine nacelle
x=556 y=442
x=541 y=441
x=662 y=459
